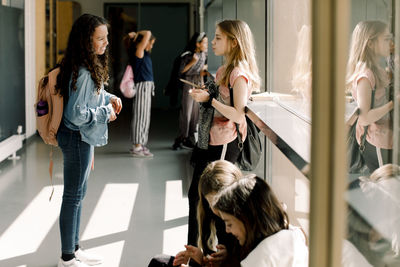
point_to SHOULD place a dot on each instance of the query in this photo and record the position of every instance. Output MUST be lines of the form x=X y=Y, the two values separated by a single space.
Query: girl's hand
x=191 y=252
x=219 y=256
x=113 y=116
x=199 y=95
x=195 y=253
x=116 y=103
x=203 y=73
x=181 y=258
x=132 y=35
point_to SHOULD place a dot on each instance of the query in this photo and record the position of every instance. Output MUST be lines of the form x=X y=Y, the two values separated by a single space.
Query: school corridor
x=134 y=208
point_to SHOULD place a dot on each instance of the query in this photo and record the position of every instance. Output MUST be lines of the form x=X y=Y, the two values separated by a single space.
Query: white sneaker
x=71 y=263
x=88 y=258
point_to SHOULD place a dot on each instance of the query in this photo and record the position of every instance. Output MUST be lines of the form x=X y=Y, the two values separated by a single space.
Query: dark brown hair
x=252 y=201
x=80 y=53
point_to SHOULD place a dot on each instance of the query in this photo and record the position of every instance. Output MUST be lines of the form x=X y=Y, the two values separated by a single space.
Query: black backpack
x=174 y=85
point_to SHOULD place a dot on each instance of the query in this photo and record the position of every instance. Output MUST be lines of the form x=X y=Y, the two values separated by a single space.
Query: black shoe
x=177 y=144
x=187 y=143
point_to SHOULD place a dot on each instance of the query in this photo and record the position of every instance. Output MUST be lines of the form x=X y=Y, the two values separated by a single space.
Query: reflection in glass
x=301 y=79
x=368 y=82
x=373 y=197
x=374 y=216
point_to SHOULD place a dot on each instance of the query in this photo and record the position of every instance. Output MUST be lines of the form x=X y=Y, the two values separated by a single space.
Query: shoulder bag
x=355 y=159
x=251 y=148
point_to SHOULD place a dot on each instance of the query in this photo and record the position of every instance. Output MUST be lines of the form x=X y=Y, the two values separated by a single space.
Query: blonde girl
x=370 y=45
x=216 y=176
x=234 y=41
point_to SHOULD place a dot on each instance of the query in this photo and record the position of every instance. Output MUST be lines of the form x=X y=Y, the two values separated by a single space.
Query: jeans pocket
x=63 y=138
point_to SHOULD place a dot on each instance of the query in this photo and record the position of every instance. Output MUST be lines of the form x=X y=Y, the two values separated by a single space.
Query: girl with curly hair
x=87 y=109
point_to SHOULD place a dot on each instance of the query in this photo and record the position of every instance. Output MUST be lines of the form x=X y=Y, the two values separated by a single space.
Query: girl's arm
x=193 y=61
x=368 y=115
x=78 y=111
x=143 y=43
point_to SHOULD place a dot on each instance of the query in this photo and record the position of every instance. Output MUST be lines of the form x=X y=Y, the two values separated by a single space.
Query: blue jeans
x=77 y=162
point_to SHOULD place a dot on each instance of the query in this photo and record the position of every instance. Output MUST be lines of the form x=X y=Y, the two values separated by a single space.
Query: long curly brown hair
x=80 y=53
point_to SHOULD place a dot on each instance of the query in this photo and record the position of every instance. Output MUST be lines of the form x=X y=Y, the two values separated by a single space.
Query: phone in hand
x=192 y=84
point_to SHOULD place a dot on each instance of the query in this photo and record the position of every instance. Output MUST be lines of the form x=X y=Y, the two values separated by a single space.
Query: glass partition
x=373 y=195
x=291 y=56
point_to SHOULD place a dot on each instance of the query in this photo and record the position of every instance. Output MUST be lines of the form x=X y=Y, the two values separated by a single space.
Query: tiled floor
x=134 y=208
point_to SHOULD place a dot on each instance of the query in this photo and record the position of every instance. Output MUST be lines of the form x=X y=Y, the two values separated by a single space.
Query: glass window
x=290 y=59
x=373 y=195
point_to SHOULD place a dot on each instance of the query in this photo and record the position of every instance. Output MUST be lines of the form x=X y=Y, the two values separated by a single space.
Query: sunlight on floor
x=113 y=211
x=175 y=239
x=111 y=252
x=14 y=241
x=176 y=206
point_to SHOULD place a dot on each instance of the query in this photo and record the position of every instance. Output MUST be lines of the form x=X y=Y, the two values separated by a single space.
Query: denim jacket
x=88 y=111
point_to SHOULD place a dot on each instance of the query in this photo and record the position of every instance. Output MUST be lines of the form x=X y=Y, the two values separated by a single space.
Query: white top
x=287 y=248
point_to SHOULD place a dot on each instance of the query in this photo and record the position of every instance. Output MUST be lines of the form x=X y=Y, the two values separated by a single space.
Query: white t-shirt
x=287 y=248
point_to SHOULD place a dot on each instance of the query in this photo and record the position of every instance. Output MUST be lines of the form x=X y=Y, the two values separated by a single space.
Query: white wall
x=30 y=69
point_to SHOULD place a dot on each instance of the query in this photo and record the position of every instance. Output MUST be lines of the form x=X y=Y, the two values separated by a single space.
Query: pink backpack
x=127 y=85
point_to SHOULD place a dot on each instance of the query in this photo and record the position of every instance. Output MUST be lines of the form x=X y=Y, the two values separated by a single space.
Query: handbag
x=127 y=85
x=355 y=158
x=251 y=148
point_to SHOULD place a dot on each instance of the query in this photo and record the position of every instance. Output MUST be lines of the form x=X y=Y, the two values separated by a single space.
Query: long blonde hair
x=217 y=175
x=243 y=55
x=362 y=56
x=301 y=71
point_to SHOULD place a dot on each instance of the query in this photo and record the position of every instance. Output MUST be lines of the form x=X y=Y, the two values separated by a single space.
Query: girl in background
x=193 y=68
x=139 y=49
x=87 y=110
x=370 y=45
x=253 y=214
x=218 y=140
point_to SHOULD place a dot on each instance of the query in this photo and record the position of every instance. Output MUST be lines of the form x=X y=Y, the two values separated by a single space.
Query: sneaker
x=147 y=152
x=71 y=263
x=140 y=153
x=88 y=258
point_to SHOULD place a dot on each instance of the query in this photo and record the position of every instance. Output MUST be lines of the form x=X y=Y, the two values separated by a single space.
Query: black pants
x=371 y=158
x=201 y=159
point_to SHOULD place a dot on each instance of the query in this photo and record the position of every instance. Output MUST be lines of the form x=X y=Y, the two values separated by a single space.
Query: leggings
x=370 y=156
